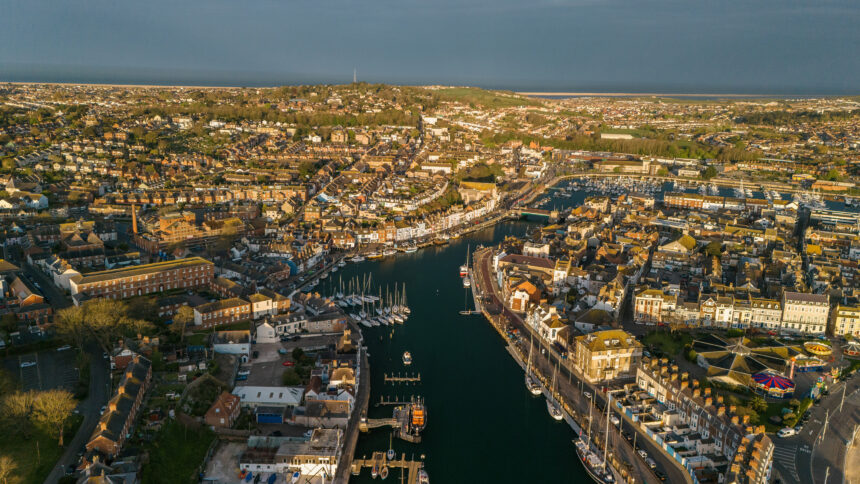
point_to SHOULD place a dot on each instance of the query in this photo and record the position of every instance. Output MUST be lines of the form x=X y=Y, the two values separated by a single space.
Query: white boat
x=407 y=358
x=341 y=263
x=410 y=249
x=467 y=281
x=357 y=258
x=366 y=324
x=388 y=252
x=552 y=404
x=295 y=477
x=423 y=478
x=532 y=385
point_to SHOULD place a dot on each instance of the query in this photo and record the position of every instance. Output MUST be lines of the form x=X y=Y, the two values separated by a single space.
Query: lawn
x=176 y=453
x=667 y=343
x=36 y=457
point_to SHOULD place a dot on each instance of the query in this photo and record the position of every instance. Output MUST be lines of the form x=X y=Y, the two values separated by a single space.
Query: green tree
x=52 y=408
x=758 y=404
x=709 y=173
x=7 y=468
x=181 y=319
x=291 y=378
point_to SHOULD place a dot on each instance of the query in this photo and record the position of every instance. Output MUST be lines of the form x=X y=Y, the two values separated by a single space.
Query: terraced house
x=116 y=422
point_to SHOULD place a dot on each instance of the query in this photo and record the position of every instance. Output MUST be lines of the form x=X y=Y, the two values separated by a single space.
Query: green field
x=488 y=99
x=36 y=454
x=176 y=453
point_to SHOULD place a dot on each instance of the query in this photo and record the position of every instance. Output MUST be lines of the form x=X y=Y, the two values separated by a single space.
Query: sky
x=692 y=46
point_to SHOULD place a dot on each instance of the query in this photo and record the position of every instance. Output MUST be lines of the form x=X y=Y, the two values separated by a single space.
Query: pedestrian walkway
x=786 y=456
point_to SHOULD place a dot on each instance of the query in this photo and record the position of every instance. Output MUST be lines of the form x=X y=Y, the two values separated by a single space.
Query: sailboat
x=594 y=462
x=552 y=405
x=391 y=455
x=464 y=269
x=531 y=383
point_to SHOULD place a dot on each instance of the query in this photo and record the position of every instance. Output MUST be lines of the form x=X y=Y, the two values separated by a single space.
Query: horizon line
x=520 y=93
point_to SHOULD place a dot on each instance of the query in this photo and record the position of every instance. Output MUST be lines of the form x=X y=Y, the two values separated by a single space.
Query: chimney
x=734 y=419
x=673 y=377
x=707 y=391
x=719 y=399
x=133 y=218
x=733 y=409
x=684 y=384
x=746 y=419
x=103 y=425
x=721 y=410
x=685 y=375
x=759 y=429
x=709 y=401
x=120 y=390
x=696 y=391
x=695 y=383
x=112 y=406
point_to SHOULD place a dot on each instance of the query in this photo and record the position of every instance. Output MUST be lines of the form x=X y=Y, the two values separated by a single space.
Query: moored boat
x=592 y=463
x=407 y=358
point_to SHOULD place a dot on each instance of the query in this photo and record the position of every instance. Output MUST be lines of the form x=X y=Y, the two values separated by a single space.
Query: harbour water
x=483 y=425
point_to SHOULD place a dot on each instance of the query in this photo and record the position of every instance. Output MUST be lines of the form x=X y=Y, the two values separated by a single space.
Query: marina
x=411 y=470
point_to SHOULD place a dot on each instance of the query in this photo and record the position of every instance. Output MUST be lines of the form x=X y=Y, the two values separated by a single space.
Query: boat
x=374 y=255
x=423 y=477
x=592 y=463
x=391 y=455
x=374 y=471
x=384 y=473
x=410 y=249
x=419 y=416
x=552 y=405
x=249 y=476
x=341 y=263
x=407 y=358
x=531 y=383
x=272 y=478
x=388 y=252
x=467 y=282
x=357 y=258
x=295 y=477
x=464 y=269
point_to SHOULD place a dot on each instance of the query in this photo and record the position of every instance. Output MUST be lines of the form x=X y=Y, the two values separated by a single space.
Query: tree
x=291 y=378
x=709 y=173
x=71 y=326
x=758 y=404
x=52 y=408
x=184 y=316
x=663 y=172
x=7 y=468
x=16 y=409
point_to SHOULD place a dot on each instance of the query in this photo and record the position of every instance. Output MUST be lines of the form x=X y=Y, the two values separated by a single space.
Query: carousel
x=735 y=361
x=818 y=349
x=851 y=349
x=772 y=385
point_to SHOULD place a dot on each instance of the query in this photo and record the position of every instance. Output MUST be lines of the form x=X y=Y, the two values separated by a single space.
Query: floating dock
x=411 y=467
x=406 y=378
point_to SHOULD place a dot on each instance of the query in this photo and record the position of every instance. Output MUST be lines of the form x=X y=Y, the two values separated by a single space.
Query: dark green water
x=483 y=425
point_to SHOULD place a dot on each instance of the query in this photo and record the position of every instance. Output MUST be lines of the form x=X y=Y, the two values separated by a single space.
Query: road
x=817 y=455
x=571 y=386
x=99 y=390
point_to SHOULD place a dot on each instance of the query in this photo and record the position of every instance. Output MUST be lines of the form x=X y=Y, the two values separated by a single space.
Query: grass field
x=176 y=454
x=37 y=455
x=669 y=344
x=488 y=99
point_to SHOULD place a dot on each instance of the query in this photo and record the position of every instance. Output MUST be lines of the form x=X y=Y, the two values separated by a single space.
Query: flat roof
x=139 y=270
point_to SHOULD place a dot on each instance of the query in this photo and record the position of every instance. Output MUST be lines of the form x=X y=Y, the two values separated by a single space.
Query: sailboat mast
x=606 y=435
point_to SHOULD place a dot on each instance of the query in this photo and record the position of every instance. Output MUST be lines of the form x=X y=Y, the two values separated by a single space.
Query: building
x=805 y=313
x=310 y=456
x=650 y=304
x=607 y=355
x=708 y=437
x=224 y=311
x=269 y=396
x=144 y=279
x=847 y=321
x=223 y=412
x=115 y=424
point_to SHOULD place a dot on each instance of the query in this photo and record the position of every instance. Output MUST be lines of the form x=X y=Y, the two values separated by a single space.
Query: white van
x=786 y=432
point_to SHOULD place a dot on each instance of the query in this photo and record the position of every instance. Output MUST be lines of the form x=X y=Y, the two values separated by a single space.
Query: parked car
x=651 y=463
x=587 y=395
x=660 y=475
x=614 y=419
x=642 y=453
x=64 y=348
x=282 y=351
x=289 y=363
x=27 y=364
x=786 y=432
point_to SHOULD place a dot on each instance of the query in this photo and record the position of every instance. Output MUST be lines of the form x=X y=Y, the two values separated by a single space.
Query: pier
x=411 y=467
x=396 y=401
x=402 y=379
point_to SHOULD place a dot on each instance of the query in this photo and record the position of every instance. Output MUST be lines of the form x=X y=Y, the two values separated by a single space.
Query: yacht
x=592 y=463
x=467 y=281
x=407 y=358
x=357 y=258
x=410 y=249
x=423 y=478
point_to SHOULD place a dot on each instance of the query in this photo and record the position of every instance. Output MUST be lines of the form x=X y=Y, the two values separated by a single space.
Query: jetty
x=406 y=378
x=411 y=467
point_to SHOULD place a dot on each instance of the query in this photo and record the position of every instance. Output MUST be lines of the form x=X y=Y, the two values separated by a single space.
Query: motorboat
x=407 y=358
x=295 y=477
